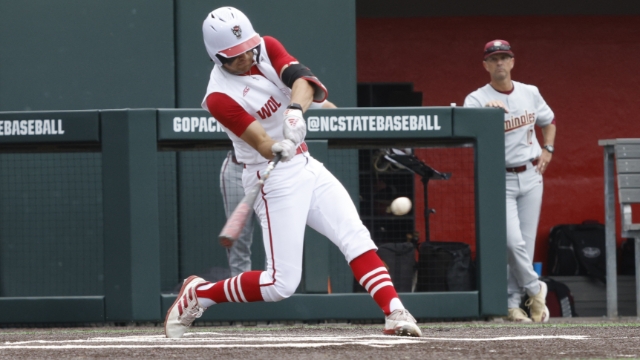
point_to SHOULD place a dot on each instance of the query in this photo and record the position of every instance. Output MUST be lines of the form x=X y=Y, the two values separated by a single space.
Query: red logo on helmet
x=237 y=31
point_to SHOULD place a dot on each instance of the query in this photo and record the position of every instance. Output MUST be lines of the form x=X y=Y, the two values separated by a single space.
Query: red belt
x=519 y=169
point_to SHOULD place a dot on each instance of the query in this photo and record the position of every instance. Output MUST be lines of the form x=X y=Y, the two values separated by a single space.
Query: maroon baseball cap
x=497 y=47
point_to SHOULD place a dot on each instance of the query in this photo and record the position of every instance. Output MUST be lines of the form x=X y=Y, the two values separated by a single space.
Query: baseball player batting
x=258 y=92
x=526 y=161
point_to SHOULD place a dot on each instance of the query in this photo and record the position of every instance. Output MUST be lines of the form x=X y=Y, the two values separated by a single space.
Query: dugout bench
x=129 y=142
x=621 y=162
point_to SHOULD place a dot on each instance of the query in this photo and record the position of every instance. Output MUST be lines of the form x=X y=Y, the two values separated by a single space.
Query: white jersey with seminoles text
x=526 y=109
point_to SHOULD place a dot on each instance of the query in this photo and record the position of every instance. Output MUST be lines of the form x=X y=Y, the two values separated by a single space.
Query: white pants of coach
x=524 y=199
x=302 y=192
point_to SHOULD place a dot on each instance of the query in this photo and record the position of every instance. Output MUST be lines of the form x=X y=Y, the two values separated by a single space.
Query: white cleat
x=401 y=323
x=184 y=310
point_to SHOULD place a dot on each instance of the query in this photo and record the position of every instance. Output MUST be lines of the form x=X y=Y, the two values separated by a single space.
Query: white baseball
x=401 y=206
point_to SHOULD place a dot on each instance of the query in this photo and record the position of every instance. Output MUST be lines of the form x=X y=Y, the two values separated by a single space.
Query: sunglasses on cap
x=501 y=47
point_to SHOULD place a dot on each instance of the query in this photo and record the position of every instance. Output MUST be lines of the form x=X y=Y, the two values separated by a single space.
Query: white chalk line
x=197 y=340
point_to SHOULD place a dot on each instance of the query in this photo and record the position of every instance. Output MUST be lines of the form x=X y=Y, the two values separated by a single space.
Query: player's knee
x=282 y=287
x=286 y=288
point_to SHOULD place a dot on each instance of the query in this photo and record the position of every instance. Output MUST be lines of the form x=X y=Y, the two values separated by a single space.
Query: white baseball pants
x=302 y=192
x=524 y=199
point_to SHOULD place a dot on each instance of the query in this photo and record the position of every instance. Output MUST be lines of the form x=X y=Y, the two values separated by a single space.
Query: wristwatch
x=549 y=148
x=295 y=106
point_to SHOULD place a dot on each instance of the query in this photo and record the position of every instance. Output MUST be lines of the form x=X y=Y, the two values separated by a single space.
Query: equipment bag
x=578 y=249
x=559 y=299
x=400 y=260
x=445 y=266
x=628 y=257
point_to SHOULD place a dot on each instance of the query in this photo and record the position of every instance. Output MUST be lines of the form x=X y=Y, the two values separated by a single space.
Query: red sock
x=242 y=288
x=371 y=273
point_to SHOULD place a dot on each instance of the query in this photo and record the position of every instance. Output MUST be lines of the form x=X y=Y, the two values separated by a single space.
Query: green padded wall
x=201 y=213
x=78 y=54
x=51 y=228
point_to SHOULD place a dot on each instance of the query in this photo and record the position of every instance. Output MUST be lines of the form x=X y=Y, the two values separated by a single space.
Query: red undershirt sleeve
x=229 y=113
x=280 y=58
x=277 y=53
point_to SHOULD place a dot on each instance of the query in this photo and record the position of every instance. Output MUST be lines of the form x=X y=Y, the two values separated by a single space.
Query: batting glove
x=285 y=147
x=295 y=129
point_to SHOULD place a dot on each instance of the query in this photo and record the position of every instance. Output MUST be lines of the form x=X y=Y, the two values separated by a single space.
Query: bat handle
x=276 y=159
x=272 y=165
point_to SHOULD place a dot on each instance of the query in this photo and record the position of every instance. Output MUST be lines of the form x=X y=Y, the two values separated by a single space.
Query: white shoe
x=184 y=310
x=537 y=305
x=518 y=315
x=401 y=323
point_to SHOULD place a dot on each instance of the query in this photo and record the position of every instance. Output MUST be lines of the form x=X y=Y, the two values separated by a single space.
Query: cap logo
x=497 y=43
x=237 y=31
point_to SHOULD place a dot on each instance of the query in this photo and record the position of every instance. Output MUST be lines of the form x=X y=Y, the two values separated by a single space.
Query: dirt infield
x=577 y=338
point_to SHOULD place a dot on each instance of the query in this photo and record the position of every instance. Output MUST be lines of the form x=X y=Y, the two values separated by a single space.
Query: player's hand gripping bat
x=233 y=227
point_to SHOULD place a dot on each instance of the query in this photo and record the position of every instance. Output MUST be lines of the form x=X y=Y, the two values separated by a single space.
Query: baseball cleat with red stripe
x=401 y=323
x=184 y=310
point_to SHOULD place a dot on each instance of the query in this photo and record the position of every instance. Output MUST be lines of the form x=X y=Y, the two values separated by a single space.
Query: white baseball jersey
x=526 y=109
x=265 y=97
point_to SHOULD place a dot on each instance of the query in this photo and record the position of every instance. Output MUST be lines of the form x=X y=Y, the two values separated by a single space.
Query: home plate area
x=442 y=341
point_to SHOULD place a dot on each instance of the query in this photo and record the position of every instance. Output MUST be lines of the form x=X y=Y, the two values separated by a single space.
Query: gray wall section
x=320 y=34
x=78 y=54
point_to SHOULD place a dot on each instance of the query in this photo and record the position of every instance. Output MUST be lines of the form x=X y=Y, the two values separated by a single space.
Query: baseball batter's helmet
x=228 y=33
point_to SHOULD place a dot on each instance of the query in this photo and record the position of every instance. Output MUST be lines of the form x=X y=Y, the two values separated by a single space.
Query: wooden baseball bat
x=233 y=227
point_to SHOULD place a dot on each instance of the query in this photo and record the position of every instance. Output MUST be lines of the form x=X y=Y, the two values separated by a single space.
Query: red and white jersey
x=526 y=109
x=238 y=100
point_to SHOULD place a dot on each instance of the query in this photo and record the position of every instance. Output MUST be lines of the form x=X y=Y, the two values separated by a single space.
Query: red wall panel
x=586 y=68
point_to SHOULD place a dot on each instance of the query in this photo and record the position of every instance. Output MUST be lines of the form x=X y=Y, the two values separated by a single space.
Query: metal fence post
x=610 y=231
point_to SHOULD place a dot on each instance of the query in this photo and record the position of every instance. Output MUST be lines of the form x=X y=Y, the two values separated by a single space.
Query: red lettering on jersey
x=272 y=106
x=519 y=121
x=269 y=107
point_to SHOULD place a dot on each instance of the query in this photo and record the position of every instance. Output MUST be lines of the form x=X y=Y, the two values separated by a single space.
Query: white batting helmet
x=228 y=33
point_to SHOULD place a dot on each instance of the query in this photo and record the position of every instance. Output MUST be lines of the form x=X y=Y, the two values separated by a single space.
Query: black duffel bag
x=445 y=266
x=578 y=249
x=400 y=260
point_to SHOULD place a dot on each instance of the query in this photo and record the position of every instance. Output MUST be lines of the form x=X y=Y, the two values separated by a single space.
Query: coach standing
x=526 y=161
